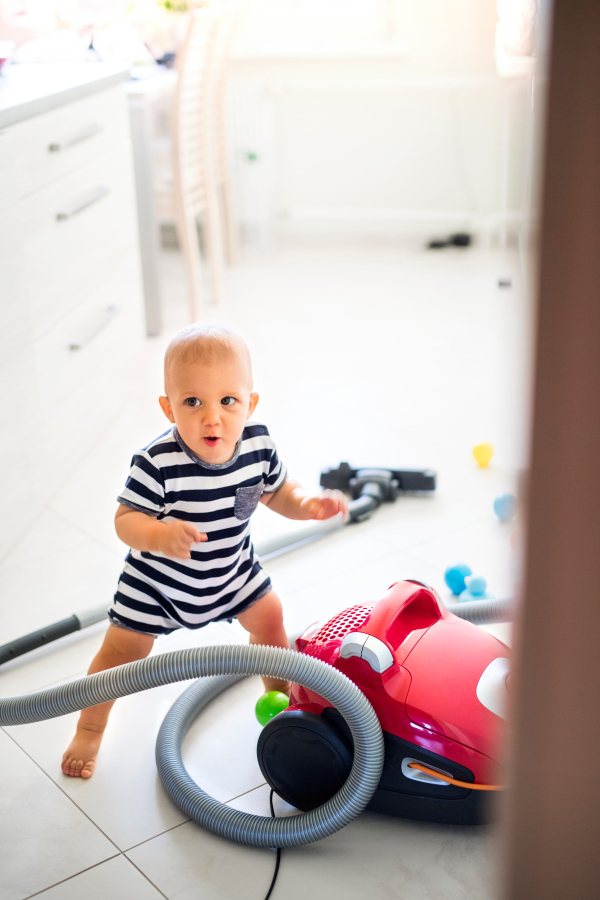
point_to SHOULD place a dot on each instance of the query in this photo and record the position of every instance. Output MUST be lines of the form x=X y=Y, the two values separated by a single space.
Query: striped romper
x=156 y=593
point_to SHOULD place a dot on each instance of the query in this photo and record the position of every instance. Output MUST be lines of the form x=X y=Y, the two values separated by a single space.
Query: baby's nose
x=212 y=414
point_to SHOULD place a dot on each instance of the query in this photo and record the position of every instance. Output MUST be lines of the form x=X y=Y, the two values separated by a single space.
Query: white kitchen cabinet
x=71 y=306
x=74 y=230
x=53 y=145
x=82 y=390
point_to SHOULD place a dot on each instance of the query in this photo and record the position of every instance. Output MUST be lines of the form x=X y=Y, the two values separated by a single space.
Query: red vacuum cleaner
x=439 y=686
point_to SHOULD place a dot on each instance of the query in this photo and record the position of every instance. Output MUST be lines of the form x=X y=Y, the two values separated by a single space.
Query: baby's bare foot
x=80 y=758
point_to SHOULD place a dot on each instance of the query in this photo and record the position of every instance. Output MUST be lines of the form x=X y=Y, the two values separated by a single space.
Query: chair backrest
x=192 y=124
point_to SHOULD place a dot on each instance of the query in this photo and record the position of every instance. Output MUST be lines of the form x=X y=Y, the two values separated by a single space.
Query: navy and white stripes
x=156 y=593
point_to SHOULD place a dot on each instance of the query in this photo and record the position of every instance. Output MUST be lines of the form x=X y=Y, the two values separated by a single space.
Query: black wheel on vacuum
x=304 y=757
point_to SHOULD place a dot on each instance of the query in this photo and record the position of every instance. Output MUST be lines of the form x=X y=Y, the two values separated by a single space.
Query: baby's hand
x=176 y=538
x=329 y=504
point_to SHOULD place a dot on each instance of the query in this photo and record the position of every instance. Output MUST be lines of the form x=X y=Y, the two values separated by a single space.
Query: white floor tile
x=484 y=546
x=220 y=748
x=88 y=498
x=333 y=555
x=188 y=863
x=464 y=495
x=117 y=878
x=43 y=836
x=363 y=584
x=48 y=535
x=41 y=591
x=124 y=797
x=374 y=856
x=55 y=663
x=381 y=857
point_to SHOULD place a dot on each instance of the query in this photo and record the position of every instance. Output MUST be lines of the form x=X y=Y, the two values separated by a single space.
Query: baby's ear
x=166 y=408
x=252 y=404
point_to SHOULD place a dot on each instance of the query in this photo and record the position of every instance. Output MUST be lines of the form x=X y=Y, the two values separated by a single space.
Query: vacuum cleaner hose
x=370 y=498
x=484 y=612
x=226 y=665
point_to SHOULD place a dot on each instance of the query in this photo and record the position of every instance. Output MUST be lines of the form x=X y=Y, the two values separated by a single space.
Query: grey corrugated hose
x=484 y=612
x=225 y=666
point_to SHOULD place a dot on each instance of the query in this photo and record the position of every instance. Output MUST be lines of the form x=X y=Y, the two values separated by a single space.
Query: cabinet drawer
x=8 y=187
x=80 y=391
x=19 y=438
x=15 y=329
x=57 y=143
x=73 y=231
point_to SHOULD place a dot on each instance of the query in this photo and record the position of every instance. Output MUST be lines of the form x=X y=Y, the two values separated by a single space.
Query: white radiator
x=251 y=142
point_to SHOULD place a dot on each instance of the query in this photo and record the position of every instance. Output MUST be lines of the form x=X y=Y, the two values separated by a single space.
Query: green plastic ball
x=270 y=704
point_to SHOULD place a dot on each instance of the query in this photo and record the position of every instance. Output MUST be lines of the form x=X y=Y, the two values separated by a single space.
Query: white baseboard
x=488 y=226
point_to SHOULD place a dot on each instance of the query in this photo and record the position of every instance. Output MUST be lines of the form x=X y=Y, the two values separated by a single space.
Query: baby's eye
x=193 y=401
x=228 y=401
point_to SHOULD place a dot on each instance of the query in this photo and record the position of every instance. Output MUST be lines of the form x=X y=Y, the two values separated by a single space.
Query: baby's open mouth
x=211 y=441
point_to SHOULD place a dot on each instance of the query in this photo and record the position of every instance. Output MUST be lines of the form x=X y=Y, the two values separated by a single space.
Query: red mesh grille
x=342 y=624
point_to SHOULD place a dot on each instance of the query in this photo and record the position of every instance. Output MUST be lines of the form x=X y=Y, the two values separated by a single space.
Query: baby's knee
x=264 y=620
x=121 y=642
x=272 y=611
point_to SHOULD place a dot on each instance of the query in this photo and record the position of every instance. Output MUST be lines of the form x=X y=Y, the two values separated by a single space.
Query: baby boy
x=185 y=512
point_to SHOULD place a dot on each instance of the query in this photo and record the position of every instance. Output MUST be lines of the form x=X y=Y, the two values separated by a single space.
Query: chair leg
x=232 y=239
x=213 y=239
x=188 y=241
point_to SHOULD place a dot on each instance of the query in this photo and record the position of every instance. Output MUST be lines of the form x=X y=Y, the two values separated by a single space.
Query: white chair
x=221 y=165
x=201 y=178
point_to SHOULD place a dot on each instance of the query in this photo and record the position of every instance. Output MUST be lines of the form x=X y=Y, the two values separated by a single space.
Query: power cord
x=427 y=771
x=278 y=860
x=463 y=784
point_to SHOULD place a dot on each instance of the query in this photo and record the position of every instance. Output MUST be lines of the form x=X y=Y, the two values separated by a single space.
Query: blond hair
x=206 y=344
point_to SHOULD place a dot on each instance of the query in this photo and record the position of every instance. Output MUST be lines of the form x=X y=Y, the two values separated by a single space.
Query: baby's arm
x=144 y=532
x=292 y=501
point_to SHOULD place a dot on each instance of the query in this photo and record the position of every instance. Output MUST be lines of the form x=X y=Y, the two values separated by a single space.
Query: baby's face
x=210 y=404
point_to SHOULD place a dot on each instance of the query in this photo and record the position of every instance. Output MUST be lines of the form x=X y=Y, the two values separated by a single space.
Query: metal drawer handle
x=71 y=211
x=107 y=317
x=76 y=138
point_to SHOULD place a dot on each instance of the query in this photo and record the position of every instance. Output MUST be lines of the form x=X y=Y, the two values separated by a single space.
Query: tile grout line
x=187 y=821
x=243 y=794
x=70 y=878
x=119 y=853
x=84 y=533
x=76 y=805
x=143 y=874
x=5 y=561
x=95 y=866
x=160 y=834
x=22 y=535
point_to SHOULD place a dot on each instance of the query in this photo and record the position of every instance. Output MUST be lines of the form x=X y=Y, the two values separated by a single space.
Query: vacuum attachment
x=369 y=488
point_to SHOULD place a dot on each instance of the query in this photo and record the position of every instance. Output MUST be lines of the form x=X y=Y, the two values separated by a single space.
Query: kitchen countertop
x=30 y=89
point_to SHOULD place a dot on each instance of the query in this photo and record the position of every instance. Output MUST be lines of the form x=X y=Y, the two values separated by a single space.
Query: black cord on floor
x=278 y=860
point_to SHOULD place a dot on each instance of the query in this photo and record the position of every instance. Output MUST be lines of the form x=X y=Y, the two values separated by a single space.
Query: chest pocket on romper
x=246 y=500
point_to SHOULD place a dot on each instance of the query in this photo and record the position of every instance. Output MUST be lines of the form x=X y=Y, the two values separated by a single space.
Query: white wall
x=420 y=133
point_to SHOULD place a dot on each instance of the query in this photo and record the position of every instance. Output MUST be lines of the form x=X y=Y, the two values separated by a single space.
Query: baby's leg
x=264 y=621
x=119 y=647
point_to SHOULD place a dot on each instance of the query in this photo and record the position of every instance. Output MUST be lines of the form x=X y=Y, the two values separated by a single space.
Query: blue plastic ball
x=476 y=585
x=505 y=506
x=476 y=589
x=454 y=577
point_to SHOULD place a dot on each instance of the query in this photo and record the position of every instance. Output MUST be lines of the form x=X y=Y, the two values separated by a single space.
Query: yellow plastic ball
x=483 y=454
